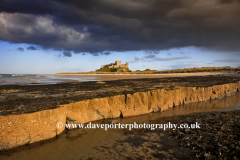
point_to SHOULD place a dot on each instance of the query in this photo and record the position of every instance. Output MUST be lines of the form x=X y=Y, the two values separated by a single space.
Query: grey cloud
x=150 y=56
x=95 y=26
x=57 y=49
x=166 y=58
x=228 y=60
x=152 y=52
x=67 y=54
x=66 y=69
x=226 y=1
x=106 y=53
x=31 y=48
x=95 y=54
x=20 y=49
x=180 y=65
x=136 y=60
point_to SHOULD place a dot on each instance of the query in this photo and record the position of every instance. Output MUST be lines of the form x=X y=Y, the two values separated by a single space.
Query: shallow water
x=37 y=79
x=122 y=143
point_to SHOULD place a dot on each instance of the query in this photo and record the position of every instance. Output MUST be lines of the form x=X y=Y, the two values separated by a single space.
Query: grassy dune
x=148 y=71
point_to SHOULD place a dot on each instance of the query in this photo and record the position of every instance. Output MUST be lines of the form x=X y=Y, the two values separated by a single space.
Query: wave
x=23 y=75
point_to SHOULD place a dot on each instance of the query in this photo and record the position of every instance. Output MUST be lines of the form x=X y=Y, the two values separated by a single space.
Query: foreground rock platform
x=218 y=138
x=16 y=99
x=32 y=113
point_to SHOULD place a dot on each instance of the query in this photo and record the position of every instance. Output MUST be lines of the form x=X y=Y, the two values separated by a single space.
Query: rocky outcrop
x=18 y=130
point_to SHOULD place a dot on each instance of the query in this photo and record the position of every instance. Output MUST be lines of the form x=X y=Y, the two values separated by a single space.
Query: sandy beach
x=116 y=76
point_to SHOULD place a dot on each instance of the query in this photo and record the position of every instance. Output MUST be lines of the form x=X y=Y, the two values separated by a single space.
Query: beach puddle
x=121 y=143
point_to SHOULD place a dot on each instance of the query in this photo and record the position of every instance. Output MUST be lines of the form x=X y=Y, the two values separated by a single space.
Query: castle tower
x=118 y=63
x=126 y=65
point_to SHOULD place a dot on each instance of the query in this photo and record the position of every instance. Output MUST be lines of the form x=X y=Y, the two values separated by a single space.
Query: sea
x=42 y=79
x=37 y=79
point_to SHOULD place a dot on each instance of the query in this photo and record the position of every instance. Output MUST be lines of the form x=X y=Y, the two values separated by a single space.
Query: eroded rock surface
x=38 y=114
x=218 y=138
x=15 y=99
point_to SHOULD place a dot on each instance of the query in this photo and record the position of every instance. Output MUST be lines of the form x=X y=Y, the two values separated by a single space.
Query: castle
x=117 y=64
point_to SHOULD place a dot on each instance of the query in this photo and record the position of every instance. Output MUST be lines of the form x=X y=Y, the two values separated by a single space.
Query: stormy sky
x=170 y=33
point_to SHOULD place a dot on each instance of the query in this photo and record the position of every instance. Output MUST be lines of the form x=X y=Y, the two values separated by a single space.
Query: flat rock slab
x=16 y=99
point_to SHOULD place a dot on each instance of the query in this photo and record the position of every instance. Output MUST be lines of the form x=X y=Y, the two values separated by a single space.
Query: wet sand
x=112 y=76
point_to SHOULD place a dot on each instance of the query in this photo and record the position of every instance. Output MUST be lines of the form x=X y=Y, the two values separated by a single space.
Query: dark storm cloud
x=102 y=26
x=226 y=1
x=20 y=49
x=31 y=48
x=67 y=54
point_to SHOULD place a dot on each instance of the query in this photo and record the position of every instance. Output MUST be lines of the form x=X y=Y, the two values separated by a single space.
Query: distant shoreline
x=152 y=75
x=151 y=72
x=102 y=74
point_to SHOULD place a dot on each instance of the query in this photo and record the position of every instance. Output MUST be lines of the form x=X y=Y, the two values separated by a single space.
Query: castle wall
x=117 y=64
